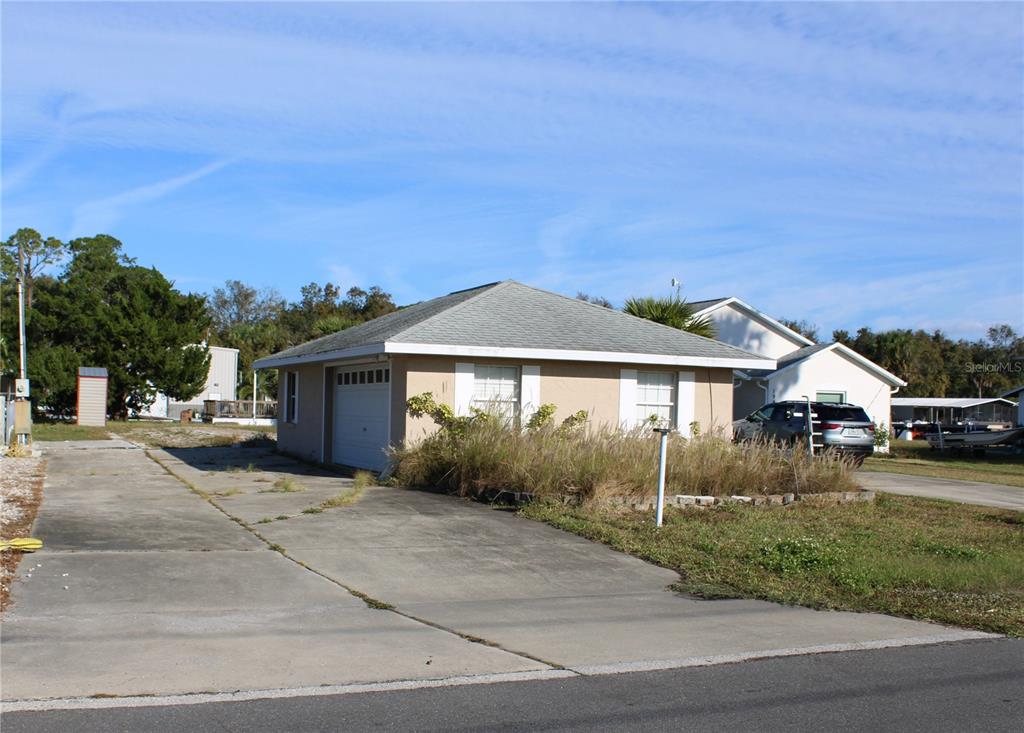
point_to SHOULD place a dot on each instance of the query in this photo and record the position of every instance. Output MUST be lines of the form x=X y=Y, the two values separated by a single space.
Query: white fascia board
x=270 y=362
x=617 y=357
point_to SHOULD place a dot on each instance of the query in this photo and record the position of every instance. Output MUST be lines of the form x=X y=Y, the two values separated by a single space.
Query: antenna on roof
x=677 y=284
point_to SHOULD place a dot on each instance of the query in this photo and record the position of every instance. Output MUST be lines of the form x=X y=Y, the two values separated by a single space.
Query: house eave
x=528 y=354
x=275 y=362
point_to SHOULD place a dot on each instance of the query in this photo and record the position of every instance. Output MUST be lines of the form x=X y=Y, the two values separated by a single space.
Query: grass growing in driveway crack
x=284 y=485
x=905 y=556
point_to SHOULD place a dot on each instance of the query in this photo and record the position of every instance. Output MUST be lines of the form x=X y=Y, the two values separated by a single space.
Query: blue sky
x=848 y=164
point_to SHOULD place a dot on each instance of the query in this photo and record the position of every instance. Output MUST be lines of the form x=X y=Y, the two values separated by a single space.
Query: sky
x=851 y=165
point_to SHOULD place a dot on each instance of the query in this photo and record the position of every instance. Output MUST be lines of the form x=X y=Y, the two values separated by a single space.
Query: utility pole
x=21 y=309
x=22 y=408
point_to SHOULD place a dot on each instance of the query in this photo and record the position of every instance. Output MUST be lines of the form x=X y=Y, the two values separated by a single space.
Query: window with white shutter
x=496 y=389
x=655 y=398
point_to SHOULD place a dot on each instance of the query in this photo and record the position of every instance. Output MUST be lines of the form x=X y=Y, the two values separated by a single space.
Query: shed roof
x=515 y=320
x=92 y=371
x=960 y=402
x=699 y=305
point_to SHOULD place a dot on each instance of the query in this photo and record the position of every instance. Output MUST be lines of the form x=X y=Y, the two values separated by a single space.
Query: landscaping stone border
x=826 y=498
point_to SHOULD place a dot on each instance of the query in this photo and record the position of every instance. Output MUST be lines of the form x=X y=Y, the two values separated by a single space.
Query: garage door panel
x=361 y=418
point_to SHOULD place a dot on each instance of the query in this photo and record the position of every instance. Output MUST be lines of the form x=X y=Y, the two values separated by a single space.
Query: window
x=291 y=397
x=655 y=398
x=496 y=389
x=364 y=376
x=830 y=397
x=847 y=414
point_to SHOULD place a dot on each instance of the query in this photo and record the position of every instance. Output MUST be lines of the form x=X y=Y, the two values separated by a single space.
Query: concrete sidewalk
x=166 y=594
x=964 y=492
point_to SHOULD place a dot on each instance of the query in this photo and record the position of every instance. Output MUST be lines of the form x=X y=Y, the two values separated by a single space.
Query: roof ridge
x=623 y=313
x=484 y=290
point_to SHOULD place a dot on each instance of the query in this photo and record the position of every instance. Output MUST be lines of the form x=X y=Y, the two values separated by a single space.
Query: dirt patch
x=174 y=435
x=21 y=492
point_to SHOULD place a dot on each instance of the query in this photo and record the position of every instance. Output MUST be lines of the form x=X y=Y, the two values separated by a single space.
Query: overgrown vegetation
x=469 y=455
x=911 y=557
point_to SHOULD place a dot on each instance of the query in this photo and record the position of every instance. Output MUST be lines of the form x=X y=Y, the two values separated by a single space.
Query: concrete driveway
x=167 y=592
x=964 y=492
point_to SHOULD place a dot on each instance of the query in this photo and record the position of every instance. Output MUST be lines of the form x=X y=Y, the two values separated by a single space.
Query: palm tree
x=670 y=311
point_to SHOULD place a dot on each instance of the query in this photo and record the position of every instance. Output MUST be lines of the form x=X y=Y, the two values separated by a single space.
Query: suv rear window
x=842 y=414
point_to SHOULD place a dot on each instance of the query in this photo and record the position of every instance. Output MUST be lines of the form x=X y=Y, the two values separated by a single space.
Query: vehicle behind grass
x=840 y=427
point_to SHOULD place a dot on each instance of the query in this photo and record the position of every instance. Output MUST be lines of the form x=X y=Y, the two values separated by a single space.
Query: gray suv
x=842 y=427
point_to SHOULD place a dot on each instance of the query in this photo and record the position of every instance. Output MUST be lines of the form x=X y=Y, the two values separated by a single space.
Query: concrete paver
x=185 y=600
x=534 y=589
x=965 y=492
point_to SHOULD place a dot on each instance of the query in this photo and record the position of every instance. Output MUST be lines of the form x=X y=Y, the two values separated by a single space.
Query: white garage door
x=361 y=415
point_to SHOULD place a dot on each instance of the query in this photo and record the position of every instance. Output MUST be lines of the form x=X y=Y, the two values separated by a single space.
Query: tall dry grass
x=595 y=464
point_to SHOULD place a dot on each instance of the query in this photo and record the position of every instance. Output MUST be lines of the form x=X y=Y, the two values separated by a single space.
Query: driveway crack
x=374 y=603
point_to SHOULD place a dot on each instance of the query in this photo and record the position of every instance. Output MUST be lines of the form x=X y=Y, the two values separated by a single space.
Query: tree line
x=89 y=304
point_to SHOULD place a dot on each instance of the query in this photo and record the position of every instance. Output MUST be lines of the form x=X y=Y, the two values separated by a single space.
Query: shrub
x=585 y=464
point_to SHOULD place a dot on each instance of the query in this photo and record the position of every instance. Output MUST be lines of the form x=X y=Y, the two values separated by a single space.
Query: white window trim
x=830 y=390
x=291 y=414
x=463 y=397
x=529 y=390
x=686 y=399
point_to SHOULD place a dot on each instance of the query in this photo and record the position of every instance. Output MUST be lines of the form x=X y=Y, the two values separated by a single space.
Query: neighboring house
x=221 y=384
x=954 y=410
x=343 y=397
x=824 y=372
x=1019 y=394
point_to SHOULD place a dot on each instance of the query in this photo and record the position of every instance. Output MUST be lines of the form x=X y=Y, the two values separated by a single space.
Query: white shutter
x=627 y=398
x=463 y=388
x=686 y=396
x=529 y=391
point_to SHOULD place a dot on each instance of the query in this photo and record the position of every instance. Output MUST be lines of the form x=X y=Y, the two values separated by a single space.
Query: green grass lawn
x=67 y=431
x=914 y=457
x=905 y=556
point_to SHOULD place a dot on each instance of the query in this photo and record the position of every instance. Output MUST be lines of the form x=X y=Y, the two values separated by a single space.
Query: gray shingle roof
x=800 y=354
x=512 y=315
x=699 y=305
x=92 y=371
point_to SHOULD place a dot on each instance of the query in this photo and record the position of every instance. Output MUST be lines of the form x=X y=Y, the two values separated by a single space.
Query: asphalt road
x=967 y=686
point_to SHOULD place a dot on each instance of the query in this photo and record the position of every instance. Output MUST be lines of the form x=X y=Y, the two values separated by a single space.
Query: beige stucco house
x=342 y=397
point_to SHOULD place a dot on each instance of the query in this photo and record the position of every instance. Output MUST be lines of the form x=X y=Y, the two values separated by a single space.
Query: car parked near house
x=843 y=427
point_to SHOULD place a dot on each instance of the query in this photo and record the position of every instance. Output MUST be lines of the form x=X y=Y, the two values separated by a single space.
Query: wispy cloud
x=99 y=215
x=745 y=148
